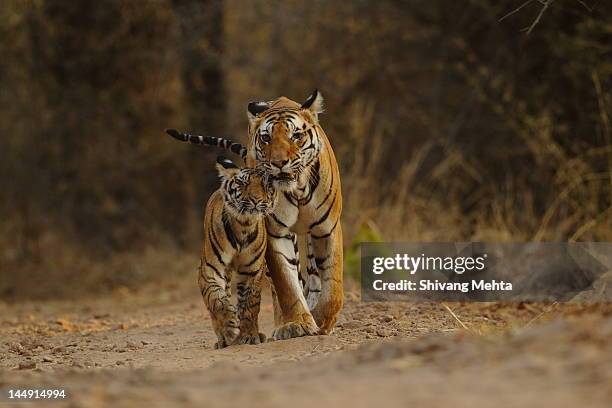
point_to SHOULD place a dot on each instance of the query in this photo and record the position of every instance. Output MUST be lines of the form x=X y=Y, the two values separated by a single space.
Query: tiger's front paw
x=326 y=313
x=294 y=329
x=256 y=338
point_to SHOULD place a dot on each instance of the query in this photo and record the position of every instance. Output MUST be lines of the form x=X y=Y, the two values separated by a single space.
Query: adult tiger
x=286 y=139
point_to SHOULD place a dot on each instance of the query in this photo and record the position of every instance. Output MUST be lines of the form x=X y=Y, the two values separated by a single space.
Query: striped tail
x=236 y=148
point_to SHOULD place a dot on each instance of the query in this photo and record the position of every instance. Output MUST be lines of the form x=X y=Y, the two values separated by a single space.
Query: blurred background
x=451 y=121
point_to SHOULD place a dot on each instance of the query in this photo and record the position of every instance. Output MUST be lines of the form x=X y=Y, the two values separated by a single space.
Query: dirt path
x=157 y=346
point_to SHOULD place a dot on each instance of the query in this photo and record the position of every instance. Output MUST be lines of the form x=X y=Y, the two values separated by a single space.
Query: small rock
x=119 y=362
x=382 y=333
x=352 y=324
x=16 y=348
x=387 y=318
x=47 y=359
x=145 y=342
x=58 y=349
x=27 y=365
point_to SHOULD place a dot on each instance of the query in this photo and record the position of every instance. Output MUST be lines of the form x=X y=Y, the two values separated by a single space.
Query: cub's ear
x=226 y=163
x=255 y=108
x=314 y=103
x=226 y=168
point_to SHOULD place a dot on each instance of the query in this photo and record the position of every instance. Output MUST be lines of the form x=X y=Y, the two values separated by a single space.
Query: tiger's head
x=284 y=139
x=247 y=192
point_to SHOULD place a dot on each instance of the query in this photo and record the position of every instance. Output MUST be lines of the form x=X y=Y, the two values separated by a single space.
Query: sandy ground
x=156 y=348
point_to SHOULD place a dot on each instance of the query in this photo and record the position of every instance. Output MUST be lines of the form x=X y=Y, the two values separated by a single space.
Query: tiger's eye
x=265 y=138
x=298 y=135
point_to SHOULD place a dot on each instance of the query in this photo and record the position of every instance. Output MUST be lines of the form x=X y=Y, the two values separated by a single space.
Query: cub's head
x=284 y=138
x=246 y=192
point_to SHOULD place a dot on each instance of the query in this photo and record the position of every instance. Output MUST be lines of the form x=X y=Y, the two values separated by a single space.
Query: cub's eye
x=265 y=137
x=297 y=135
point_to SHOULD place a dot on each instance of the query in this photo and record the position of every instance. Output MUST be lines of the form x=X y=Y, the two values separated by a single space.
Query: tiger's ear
x=255 y=108
x=314 y=103
x=226 y=168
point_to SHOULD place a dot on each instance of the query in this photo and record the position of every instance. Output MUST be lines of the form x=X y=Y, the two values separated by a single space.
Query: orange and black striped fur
x=235 y=242
x=287 y=141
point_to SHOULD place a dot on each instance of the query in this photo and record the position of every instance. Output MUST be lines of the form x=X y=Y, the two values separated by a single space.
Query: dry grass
x=420 y=201
x=64 y=269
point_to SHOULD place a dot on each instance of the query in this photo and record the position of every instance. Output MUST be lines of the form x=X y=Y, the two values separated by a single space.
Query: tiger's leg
x=228 y=285
x=312 y=289
x=248 y=292
x=283 y=264
x=278 y=315
x=297 y=258
x=212 y=284
x=328 y=257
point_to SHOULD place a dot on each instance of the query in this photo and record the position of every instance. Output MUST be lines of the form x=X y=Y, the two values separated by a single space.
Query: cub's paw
x=294 y=329
x=251 y=338
x=227 y=337
x=220 y=344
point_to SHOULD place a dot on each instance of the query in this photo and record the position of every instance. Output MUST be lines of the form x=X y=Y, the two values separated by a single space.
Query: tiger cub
x=235 y=242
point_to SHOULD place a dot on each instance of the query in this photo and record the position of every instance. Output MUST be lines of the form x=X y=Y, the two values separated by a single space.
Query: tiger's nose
x=280 y=163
